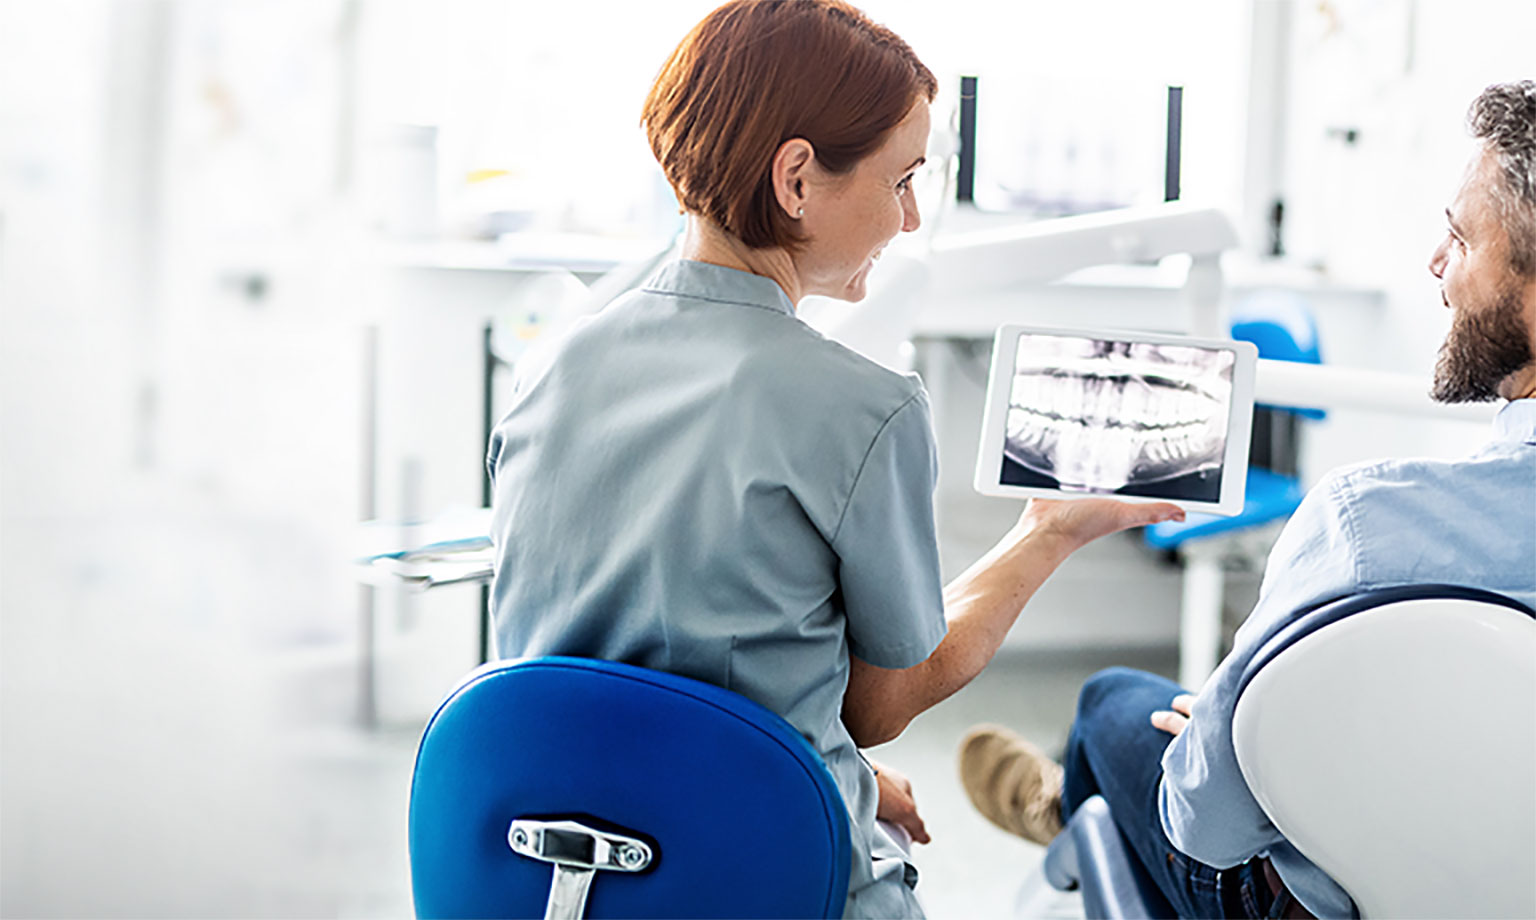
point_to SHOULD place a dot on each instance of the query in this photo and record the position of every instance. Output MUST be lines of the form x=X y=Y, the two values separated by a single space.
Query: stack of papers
x=452 y=548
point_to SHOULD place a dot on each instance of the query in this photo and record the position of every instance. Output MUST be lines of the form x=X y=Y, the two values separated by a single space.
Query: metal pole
x=487 y=395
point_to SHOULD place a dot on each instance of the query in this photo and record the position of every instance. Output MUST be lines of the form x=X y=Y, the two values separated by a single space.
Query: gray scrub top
x=695 y=481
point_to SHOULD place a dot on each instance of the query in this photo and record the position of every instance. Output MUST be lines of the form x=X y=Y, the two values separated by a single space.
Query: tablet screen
x=1086 y=414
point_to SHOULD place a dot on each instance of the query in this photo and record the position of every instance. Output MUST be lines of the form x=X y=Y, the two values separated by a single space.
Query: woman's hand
x=980 y=605
x=896 y=803
x=1078 y=522
x=1174 y=722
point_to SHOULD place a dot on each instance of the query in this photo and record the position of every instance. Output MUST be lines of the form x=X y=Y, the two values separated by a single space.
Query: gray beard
x=1480 y=351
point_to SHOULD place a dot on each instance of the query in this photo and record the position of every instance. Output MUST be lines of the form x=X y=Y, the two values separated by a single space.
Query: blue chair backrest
x=744 y=817
x=1281 y=326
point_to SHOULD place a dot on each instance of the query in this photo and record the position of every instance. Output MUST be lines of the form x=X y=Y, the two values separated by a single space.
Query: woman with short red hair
x=696 y=481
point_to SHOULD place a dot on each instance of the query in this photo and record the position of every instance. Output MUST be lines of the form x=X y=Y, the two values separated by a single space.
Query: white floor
x=972 y=869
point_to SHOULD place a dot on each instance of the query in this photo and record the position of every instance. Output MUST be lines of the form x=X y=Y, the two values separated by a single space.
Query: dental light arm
x=1284 y=383
x=1042 y=251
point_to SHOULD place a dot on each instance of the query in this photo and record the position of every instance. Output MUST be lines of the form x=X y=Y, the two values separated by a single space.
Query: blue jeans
x=1114 y=751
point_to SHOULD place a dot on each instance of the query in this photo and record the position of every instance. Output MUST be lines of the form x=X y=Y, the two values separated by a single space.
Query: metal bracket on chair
x=577 y=852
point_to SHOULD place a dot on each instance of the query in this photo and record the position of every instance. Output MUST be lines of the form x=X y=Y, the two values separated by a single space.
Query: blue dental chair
x=1391 y=737
x=1282 y=328
x=565 y=787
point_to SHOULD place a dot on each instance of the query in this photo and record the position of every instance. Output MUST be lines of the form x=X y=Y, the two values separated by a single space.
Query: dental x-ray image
x=1128 y=418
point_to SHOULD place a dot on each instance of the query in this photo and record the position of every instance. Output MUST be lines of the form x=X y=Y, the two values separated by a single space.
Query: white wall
x=1401 y=73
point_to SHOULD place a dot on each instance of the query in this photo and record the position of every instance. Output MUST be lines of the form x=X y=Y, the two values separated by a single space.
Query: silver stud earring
x=800 y=213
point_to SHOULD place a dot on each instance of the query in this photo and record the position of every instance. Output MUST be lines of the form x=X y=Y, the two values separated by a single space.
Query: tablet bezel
x=1000 y=384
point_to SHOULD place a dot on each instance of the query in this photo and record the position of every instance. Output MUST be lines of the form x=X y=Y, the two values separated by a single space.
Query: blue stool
x=564 y=787
x=1282 y=328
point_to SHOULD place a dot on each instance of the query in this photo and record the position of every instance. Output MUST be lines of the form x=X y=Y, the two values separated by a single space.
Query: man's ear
x=792 y=164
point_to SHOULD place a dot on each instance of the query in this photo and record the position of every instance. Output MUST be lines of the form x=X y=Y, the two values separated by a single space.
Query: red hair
x=756 y=73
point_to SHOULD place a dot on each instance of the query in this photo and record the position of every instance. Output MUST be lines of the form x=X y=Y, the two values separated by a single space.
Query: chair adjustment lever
x=577 y=852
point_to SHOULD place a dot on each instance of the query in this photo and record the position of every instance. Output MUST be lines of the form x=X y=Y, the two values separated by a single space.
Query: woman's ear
x=791 y=166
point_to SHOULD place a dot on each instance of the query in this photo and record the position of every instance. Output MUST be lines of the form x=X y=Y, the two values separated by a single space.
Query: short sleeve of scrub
x=888 y=548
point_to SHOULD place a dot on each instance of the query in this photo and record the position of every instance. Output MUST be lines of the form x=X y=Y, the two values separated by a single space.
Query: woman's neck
x=705 y=241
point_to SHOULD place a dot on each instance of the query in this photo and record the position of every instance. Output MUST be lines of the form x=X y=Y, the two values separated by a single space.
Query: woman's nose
x=910 y=219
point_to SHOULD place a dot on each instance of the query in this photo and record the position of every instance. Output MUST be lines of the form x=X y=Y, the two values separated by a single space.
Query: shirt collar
x=1517 y=421
x=703 y=281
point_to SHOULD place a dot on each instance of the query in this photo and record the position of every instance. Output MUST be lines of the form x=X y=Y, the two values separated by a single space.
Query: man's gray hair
x=1504 y=119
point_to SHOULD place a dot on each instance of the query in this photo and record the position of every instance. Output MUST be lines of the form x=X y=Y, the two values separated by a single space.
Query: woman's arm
x=980 y=606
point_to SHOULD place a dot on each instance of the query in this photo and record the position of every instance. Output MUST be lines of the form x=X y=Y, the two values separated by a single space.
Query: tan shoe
x=1011 y=783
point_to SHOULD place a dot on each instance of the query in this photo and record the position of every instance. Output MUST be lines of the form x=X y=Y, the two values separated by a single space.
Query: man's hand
x=896 y=803
x=1174 y=722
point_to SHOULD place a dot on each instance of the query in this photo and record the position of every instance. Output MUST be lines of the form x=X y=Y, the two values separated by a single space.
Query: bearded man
x=1181 y=801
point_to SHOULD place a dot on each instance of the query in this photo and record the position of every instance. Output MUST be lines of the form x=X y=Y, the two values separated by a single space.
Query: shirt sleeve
x=887 y=545
x=1206 y=807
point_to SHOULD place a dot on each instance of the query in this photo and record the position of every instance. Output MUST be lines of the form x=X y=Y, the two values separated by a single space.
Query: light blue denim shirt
x=696 y=481
x=1396 y=522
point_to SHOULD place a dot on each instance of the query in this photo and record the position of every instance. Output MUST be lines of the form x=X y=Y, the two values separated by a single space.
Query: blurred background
x=260 y=263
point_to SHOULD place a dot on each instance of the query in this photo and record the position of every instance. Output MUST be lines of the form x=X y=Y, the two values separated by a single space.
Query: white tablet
x=1134 y=415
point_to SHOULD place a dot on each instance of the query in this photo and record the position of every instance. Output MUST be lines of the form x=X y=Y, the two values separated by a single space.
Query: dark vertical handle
x=966 y=181
x=487 y=420
x=1171 y=151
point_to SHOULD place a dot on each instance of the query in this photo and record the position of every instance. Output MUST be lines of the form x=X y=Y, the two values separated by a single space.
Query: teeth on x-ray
x=1099 y=416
